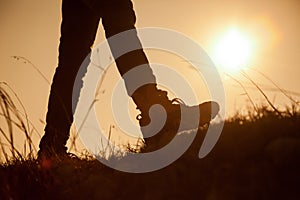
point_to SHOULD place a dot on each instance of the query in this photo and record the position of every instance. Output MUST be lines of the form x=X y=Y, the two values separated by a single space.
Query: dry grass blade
x=262 y=92
x=246 y=92
x=284 y=92
x=14 y=120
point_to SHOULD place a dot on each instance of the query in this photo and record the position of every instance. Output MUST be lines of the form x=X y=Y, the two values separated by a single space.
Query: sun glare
x=232 y=52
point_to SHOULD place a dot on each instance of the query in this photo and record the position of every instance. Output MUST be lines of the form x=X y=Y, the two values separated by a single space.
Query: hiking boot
x=52 y=147
x=51 y=158
x=47 y=157
x=161 y=119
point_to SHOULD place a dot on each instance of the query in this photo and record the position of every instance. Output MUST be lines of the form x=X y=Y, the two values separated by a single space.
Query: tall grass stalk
x=15 y=119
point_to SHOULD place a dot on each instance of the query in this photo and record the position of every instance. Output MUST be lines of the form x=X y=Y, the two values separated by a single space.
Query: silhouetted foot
x=161 y=125
x=48 y=159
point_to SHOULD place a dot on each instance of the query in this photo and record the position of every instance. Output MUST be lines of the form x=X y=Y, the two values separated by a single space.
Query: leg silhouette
x=78 y=30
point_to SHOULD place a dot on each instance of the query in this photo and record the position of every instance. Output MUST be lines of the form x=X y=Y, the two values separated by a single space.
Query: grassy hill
x=256 y=157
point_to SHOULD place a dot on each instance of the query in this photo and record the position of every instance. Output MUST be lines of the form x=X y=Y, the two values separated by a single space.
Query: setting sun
x=232 y=51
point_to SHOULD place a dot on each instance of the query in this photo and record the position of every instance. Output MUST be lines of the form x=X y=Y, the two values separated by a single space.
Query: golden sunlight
x=232 y=51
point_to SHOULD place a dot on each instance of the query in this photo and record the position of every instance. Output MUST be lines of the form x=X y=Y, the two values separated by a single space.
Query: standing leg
x=78 y=31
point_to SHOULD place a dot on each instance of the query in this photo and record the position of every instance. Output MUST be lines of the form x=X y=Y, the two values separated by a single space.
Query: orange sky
x=31 y=29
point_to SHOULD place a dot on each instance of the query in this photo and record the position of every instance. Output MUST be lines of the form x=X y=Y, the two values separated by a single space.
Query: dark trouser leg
x=78 y=30
x=122 y=18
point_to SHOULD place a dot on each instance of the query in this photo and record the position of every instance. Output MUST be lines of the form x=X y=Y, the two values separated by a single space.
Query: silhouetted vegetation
x=256 y=157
